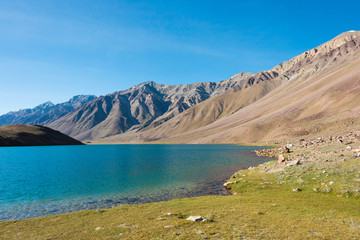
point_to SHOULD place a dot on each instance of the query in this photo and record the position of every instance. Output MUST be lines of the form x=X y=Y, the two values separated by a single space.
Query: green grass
x=264 y=207
x=272 y=213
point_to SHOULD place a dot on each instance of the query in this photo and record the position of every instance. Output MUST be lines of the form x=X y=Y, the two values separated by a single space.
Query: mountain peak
x=45 y=104
x=79 y=100
x=341 y=39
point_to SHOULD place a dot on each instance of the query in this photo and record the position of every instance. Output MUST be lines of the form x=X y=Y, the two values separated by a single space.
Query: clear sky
x=52 y=50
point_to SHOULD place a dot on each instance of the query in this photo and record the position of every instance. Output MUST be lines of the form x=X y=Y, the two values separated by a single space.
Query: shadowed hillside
x=27 y=135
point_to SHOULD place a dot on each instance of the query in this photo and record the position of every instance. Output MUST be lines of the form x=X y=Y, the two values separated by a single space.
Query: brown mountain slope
x=29 y=135
x=322 y=90
x=215 y=108
x=150 y=105
x=143 y=105
x=330 y=104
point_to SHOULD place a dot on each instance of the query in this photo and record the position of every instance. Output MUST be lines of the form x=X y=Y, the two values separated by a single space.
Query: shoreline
x=318 y=197
x=321 y=152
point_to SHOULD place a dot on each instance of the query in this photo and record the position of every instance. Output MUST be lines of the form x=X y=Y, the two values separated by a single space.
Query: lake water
x=38 y=181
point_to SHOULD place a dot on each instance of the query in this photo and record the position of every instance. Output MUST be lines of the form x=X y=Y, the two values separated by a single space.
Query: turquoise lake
x=39 y=181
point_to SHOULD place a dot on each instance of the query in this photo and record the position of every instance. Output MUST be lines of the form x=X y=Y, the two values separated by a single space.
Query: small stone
x=348 y=147
x=328 y=189
x=286 y=150
x=196 y=218
x=98 y=228
x=293 y=163
x=169 y=214
x=228 y=183
x=316 y=189
x=200 y=232
x=281 y=158
x=331 y=183
x=296 y=190
x=169 y=226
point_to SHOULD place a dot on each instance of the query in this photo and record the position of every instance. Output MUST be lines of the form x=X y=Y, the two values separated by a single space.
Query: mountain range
x=44 y=113
x=313 y=93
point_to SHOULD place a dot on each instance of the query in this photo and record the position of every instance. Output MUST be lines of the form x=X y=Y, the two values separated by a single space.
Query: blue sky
x=53 y=50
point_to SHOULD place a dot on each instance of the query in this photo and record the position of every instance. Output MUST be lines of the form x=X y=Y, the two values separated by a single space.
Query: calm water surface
x=38 y=181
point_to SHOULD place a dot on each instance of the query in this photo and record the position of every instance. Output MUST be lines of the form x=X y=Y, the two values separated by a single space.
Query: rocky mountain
x=26 y=135
x=281 y=102
x=44 y=113
x=315 y=92
x=143 y=106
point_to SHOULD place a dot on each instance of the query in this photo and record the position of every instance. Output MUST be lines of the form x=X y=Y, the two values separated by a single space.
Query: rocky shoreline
x=318 y=158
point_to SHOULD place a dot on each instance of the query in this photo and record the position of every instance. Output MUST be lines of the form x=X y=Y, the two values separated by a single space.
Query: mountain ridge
x=151 y=111
x=295 y=73
x=141 y=105
x=45 y=112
